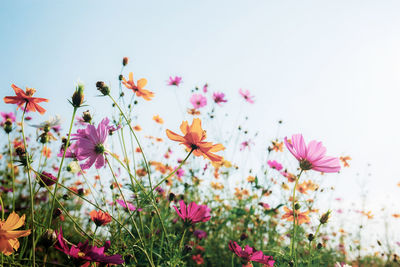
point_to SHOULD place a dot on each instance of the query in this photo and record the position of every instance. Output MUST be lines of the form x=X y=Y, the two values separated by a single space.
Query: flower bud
x=8 y=126
x=57 y=213
x=297 y=206
x=87 y=117
x=48 y=238
x=120 y=77
x=125 y=61
x=78 y=96
x=325 y=217
x=310 y=237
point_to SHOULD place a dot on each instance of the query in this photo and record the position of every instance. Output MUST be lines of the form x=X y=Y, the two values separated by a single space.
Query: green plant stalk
x=12 y=171
x=183 y=237
x=28 y=167
x=60 y=167
x=293 y=240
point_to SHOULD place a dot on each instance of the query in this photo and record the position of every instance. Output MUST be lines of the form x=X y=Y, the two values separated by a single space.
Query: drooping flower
x=47 y=178
x=219 y=98
x=193 y=213
x=174 y=81
x=193 y=139
x=90 y=144
x=200 y=234
x=8 y=234
x=100 y=218
x=248 y=254
x=198 y=101
x=274 y=165
x=26 y=98
x=158 y=119
x=246 y=95
x=138 y=89
x=84 y=253
x=311 y=156
x=301 y=217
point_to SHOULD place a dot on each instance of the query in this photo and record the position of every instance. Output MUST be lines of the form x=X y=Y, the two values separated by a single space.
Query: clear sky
x=328 y=69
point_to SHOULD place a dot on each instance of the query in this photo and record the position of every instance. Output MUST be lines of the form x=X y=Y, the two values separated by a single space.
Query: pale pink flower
x=246 y=95
x=246 y=144
x=174 y=81
x=90 y=144
x=219 y=98
x=205 y=88
x=311 y=156
x=198 y=101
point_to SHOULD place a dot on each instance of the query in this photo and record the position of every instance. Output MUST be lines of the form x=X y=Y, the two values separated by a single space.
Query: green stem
x=28 y=167
x=12 y=172
x=94 y=235
x=183 y=237
x=60 y=167
x=293 y=240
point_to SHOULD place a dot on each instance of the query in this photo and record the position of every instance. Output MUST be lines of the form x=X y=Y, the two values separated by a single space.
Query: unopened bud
x=125 y=61
x=310 y=237
x=78 y=96
x=48 y=238
x=297 y=206
x=57 y=213
x=87 y=117
x=325 y=217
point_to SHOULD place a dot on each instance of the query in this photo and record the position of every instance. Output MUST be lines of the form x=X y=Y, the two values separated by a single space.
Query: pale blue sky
x=329 y=69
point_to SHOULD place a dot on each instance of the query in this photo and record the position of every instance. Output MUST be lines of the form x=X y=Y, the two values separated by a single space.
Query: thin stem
x=183 y=237
x=293 y=240
x=60 y=167
x=12 y=172
x=28 y=167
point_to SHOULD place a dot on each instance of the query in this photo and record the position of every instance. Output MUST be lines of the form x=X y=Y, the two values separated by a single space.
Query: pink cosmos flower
x=198 y=101
x=311 y=156
x=180 y=172
x=83 y=253
x=266 y=206
x=205 y=88
x=7 y=116
x=174 y=81
x=246 y=95
x=47 y=178
x=200 y=234
x=130 y=206
x=275 y=165
x=193 y=213
x=219 y=98
x=250 y=254
x=90 y=144
x=246 y=144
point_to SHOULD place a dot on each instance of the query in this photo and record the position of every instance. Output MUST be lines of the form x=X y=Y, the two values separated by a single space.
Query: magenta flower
x=174 y=81
x=47 y=178
x=179 y=172
x=246 y=95
x=275 y=165
x=311 y=156
x=246 y=144
x=130 y=206
x=200 y=234
x=205 y=88
x=85 y=253
x=90 y=144
x=7 y=116
x=219 y=98
x=193 y=213
x=198 y=101
x=250 y=254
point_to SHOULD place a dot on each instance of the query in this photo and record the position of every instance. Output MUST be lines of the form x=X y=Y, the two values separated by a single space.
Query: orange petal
x=141 y=83
x=174 y=137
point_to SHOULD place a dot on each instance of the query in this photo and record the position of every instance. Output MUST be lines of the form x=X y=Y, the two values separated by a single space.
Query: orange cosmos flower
x=137 y=128
x=344 y=161
x=100 y=218
x=277 y=146
x=46 y=152
x=193 y=138
x=138 y=89
x=25 y=98
x=193 y=111
x=158 y=119
x=301 y=217
x=8 y=235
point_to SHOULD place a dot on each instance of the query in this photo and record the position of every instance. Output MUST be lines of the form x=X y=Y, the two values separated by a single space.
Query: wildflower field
x=105 y=191
x=199 y=133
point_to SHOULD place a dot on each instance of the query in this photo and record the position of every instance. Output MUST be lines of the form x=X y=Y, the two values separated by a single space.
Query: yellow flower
x=8 y=235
